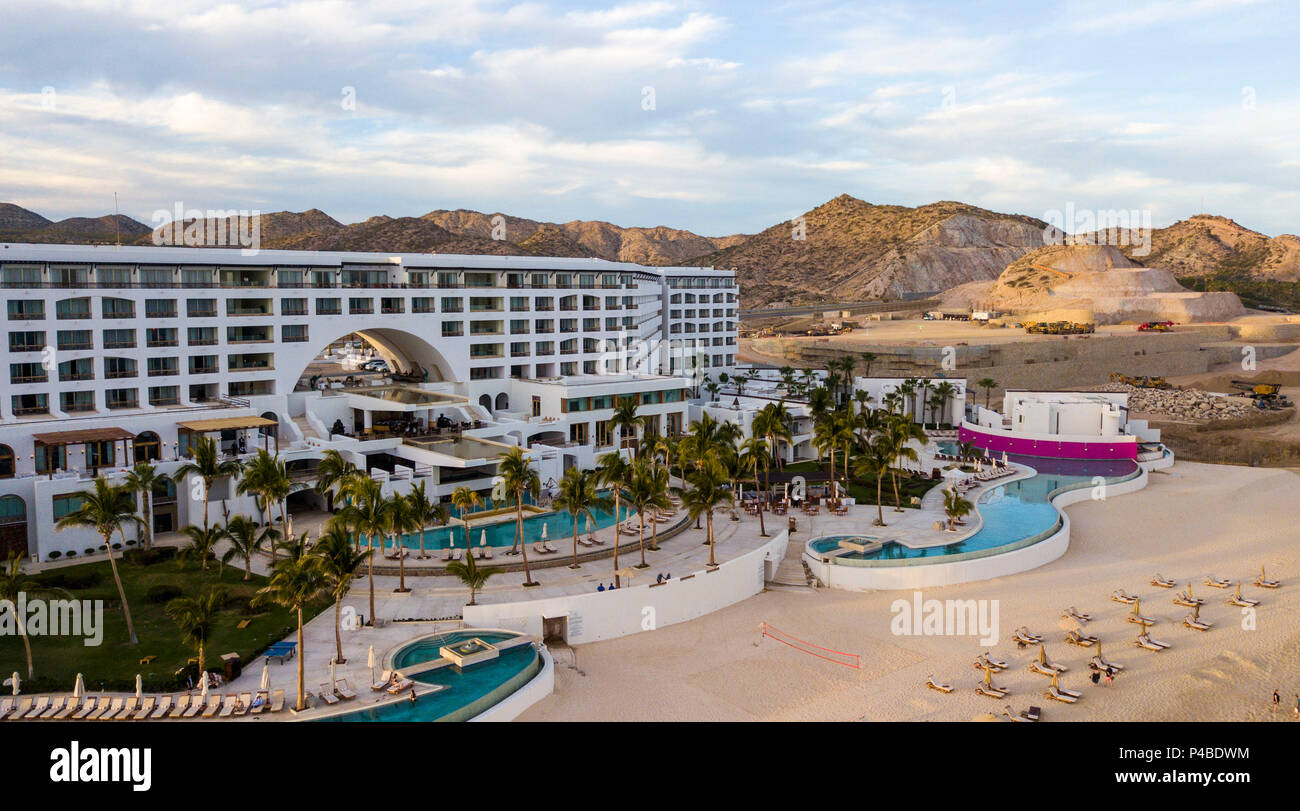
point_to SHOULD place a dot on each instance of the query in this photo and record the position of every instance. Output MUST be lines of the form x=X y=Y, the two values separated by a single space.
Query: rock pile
x=1189 y=404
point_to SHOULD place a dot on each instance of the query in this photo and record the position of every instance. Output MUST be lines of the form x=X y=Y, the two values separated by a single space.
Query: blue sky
x=760 y=110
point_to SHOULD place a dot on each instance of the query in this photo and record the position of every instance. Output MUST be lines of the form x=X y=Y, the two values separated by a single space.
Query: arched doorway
x=486 y=402
x=13 y=526
x=6 y=462
x=503 y=402
x=148 y=448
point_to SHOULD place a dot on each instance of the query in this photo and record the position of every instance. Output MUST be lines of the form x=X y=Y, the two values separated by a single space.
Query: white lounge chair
x=1121 y=596
x=128 y=710
x=162 y=708
x=87 y=707
x=327 y=695
x=935 y=685
x=55 y=706
x=400 y=684
x=1081 y=639
x=107 y=709
x=1059 y=693
x=1241 y=602
x=344 y=690
x=1196 y=623
x=244 y=704
x=70 y=707
x=144 y=708
x=1161 y=582
x=1211 y=580
x=227 y=706
x=537 y=547
x=549 y=547
x=1144 y=640
x=984 y=660
x=385 y=680
x=446 y=553
x=21 y=708
x=1023 y=635
x=1263 y=582
x=487 y=553
x=1075 y=614
x=180 y=706
x=197 y=706
x=42 y=703
x=7 y=706
x=212 y=708
x=277 y=701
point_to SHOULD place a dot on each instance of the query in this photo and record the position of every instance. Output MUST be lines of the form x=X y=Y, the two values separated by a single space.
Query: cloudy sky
x=718 y=117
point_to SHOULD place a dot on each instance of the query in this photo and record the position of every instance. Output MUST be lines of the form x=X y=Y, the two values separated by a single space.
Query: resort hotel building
x=415 y=367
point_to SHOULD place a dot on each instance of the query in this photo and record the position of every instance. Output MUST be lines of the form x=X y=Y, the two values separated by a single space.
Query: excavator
x=1141 y=382
x=1266 y=395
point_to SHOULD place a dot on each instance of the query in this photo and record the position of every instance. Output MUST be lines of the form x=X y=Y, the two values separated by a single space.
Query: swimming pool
x=559 y=525
x=469 y=692
x=1011 y=512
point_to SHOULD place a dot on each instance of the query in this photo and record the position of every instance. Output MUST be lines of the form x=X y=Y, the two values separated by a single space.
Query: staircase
x=305 y=428
x=792 y=571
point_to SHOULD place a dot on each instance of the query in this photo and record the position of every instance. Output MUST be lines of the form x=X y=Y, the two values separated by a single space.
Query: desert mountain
x=848 y=249
x=1205 y=245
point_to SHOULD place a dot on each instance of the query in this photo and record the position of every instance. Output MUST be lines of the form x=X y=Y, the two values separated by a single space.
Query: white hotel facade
x=114 y=355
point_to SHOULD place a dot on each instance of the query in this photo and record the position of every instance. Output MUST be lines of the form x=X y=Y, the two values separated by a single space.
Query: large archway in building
x=408 y=355
x=13 y=526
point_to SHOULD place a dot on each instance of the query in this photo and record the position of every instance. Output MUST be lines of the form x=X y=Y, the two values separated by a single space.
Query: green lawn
x=864 y=492
x=114 y=664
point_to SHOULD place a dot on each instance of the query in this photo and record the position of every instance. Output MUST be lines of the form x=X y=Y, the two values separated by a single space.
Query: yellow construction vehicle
x=1142 y=382
x=1059 y=328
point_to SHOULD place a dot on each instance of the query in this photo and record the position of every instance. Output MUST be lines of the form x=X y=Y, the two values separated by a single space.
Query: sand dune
x=1189 y=522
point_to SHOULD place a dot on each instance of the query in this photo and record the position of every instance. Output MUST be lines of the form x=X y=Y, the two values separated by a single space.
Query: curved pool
x=1011 y=513
x=469 y=691
x=558 y=526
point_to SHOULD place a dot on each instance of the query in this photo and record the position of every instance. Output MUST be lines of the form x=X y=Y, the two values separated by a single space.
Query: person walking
x=1277 y=701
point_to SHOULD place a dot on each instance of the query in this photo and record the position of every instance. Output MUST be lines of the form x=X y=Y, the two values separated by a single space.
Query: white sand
x=1191 y=521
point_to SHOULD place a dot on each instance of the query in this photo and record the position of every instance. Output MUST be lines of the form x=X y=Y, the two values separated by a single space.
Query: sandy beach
x=1191 y=521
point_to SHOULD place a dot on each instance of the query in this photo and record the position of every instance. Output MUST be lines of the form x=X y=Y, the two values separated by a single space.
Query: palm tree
x=13 y=584
x=340 y=561
x=988 y=384
x=578 y=496
x=955 y=506
x=772 y=423
x=401 y=520
x=195 y=616
x=332 y=471
x=826 y=438
x=626 y=421
x=901 y=433
x=245 y=539
x=519 y=478
x=295 y=581
x=707 y=492
x=268 y=477
x=366 y=513
x=644 y=494
x=656 y=482
x=754 y=456
x=203 y=543
x=787 y=378
x=107 y=509
x=471 y=575
x=943 y=393
x=425 y=511
x=142 y=479
x=464 y=500
x=868 y=358
x=873 y=462
x=208 y=465
x=612 y=471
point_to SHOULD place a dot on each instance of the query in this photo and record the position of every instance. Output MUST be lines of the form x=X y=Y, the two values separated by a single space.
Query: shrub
x=148 y=557
x=55 y=555
x=80 y=580
x=163 y=593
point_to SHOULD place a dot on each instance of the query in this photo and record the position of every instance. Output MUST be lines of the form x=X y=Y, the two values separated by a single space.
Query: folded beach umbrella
x=370 y=662
x=79 y=689
x=482 y=539
x=333 y=663
x=266 y=675
x=203 y=688
x=14 y=682
x=139 y=686
x=543 y=532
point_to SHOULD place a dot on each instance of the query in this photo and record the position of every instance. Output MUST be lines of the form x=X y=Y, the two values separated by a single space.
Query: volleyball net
x=829 y=654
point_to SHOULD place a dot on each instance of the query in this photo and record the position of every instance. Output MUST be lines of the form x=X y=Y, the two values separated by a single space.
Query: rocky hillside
x=852 y=249
x=18 y=224
x=1205 y=245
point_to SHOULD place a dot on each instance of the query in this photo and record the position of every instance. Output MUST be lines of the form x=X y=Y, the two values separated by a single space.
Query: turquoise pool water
x=1011 y=512
x=469 y=692
x=502 y=533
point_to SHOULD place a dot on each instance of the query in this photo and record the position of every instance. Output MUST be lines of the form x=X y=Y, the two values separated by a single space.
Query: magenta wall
x=998 y=441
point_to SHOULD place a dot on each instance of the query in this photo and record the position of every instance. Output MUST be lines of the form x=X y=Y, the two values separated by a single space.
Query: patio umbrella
x=333 y=663
x=629 y=572
x=482 y=538
x=370 y=662
x=14 y=682
x=266 y=675
x=203 y=688
x=543 y=532
x=79 y=688
x=1004 y=457
x=139 y=686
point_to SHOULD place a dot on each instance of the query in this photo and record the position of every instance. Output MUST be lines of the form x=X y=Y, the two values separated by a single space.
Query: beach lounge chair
x=385 y=680
x=180 y=706
x=1185 y=597
x=55 y=705
x=87 y=707
x=344 y=690
x=1081 y=639
x=212 y=708
x=487 y=552
x=1046 y=666
x=197 y=705
x=549 y=547
x=277 y=701
x=1076 y=614
x=326 y=694
x=455 y=555
x=1022 y=635
x=583 y=542
x=1137 y=617
x=1100 y=662
x=935 y=685
x=23 y=707
x=245 y=703
x=128 y=710
x=161 y=709
x=1144 y=640
x=478 y=553
x=260 y=702
x=1211 y=580
x=1026 y=716
x=1056 y=691
x=1161 y=582
x=145 y=708
x=537 y=547
x=446 y=553
x=400 y=683
x=984 y=660
x=1196 y=623
x=7 y=706
x=988 y=688
x=227 y=706
x=1121 y=596
x=1263 y=582
x=1241 y=602
x=69 y=707
x=592 y=539
x=42 y=703
x=107 y=709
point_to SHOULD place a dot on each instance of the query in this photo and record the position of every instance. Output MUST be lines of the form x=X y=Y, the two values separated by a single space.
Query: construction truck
x=1156 y=326
x=1140 y=382
x=1265 y=395
x=1059 y=328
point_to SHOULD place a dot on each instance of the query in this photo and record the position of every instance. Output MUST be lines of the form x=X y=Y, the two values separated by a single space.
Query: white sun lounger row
x=151 y=708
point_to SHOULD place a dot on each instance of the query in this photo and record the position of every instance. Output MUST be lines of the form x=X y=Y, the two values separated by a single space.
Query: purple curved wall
x=998 y=441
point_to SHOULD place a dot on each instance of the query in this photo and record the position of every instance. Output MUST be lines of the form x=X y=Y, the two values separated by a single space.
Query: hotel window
x=118 y=308
x=72 y=309
x=589 y=367
x=66 y=504
x=480 y=280
x=163 y=367
x=361 y=306
x=100 y=454
x=537 y=406
x=448 y=279
x=79 y=369
x=564 y=280
x=25 y=310
x=586 y=280
x=484 y=304
x=365 y=278
x=488 y=373
x=604 y=436
x=121 y=398
x=545 y=347
x=196 y=277
x=392 y=306
x=27 y=373
x=328 y=306
x=69 y=276
x=453 y=305
x=422 y=304
x=288 y=278
x=21 y=276
x=6 y=462
x=26 y=341
x=514 y=280
x=155 y=337
x=113 y=277
x=537 y=280
x=116 y=368
x=204 y=365
x=519 y=326
x=201 y=308
x=202 y=336
x=157 y=277
x=74 y=401
x=164 y=395
x=293 y=306
x=568 y=325
x=24 y=404
x=578 y=433
x=544 y=325
x=568 y=369
x=519 y=304
x=591 y=325
x=484 y=351
x=519 y=350
x=322 y=279
x=417 y=278
x=674 y=423
x=160 y=308
x=293 y=333
x=453 y=329
x=544 y=304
